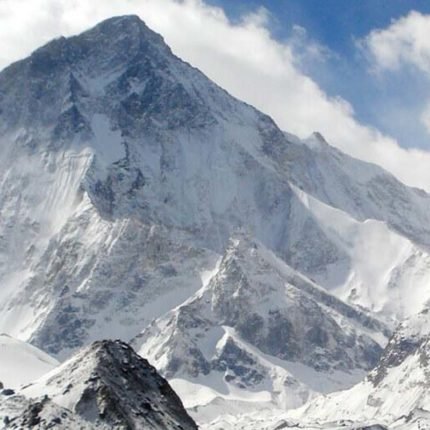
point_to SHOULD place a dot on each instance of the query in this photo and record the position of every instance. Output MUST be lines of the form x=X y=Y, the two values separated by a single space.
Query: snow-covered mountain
x=104 y=386
x=124 y=173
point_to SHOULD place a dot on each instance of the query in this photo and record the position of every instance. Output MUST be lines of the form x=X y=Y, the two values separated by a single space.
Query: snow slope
x=363 y=190
x=21 y=363
x=384 y=271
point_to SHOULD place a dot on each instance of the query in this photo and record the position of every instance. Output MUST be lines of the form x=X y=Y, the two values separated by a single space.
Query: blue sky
x=335 y=23
x=392 y=102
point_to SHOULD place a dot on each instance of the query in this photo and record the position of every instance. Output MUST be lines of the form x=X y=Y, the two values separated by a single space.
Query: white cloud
x=405 y=41
x=241 y=57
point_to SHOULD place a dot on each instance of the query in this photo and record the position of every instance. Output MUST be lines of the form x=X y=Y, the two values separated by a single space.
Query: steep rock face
x=253 y=323
x=107 y=385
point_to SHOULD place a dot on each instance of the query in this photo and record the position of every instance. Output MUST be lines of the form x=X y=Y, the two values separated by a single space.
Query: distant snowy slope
x=397 y=388
x=383 y=272
x=21 y=363
x=361 y=189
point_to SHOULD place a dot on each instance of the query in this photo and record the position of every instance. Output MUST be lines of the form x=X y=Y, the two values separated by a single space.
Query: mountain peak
x=123 y=19
x=21 y=363
x=126 y=35
x=124 y=24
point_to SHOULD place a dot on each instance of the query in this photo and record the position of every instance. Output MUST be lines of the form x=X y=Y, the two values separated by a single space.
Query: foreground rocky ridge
x=107 y=386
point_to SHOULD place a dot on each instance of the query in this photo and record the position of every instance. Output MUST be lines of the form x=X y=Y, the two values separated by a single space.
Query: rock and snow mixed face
x=124 y=171
x=394 y=395
x=259 y=332
x=104 y=386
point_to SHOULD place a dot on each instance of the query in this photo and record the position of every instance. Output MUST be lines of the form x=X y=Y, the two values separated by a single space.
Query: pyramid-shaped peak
x=103 y=354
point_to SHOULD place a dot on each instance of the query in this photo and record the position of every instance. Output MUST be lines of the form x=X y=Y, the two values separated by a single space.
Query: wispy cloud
x=405 y=42
x=242 y=57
